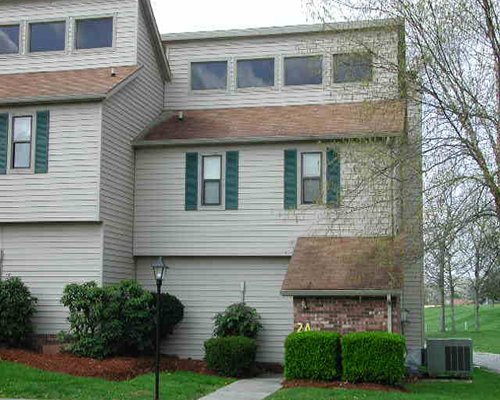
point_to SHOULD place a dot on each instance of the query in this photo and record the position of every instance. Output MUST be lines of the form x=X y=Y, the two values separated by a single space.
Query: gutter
x=339 y=293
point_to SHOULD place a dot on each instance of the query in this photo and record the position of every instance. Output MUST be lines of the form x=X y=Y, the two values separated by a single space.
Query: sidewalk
x=247 y=389
x=488 y=360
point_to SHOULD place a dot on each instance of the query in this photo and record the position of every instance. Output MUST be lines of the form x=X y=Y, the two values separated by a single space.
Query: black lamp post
x=159 y=269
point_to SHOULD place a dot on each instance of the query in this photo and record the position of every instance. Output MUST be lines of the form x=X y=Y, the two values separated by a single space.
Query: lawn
x=485 y=386
x=20 y=381
x=486 y=340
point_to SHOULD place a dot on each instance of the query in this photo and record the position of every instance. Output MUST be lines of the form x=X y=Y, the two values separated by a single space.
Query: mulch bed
x=342 y=385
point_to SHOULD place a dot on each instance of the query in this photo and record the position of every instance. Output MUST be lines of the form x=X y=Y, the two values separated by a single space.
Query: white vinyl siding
x=207 y=285
x=70 y=189
x=47 y=257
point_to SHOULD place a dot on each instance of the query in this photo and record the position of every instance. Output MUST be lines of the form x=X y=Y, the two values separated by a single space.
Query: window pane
x=211 y=167
x=311 y=164
x=352 y=68
x=312 y=191
x=211 y=193
x=9 y=39
x=255 y=73
x=22 y=129
x=303 y=70
x=49 y=36
x=22 y=155
x=94 y=33
x=209 y=75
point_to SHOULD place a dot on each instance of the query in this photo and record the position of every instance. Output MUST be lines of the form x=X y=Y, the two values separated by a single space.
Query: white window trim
x=352 y=83
x=73 y=22
x=257 y=88
x=323 y=152
x=324 y=76
x=222 y=205
x=27 y=35
x=197 y=92
x=10 y=135
x=20 y=43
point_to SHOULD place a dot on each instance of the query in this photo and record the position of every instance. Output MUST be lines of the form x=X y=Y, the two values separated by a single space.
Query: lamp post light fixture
x=159 y=269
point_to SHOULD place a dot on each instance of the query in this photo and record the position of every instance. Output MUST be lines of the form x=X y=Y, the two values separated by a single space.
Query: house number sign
x=300 y=327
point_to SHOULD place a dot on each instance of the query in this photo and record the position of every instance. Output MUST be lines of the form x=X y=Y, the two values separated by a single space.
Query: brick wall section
x=346 y=314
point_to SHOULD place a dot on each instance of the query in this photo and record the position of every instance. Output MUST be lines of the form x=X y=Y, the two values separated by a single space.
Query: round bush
x=17 y=306
x=232 y=356
x=238 y=320
x=171 y=312
x=312 y=355
x=377 y=357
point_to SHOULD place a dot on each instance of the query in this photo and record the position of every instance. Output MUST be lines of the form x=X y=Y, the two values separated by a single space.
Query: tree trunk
x=442 y=294
x=476 y=309
x=452 y=306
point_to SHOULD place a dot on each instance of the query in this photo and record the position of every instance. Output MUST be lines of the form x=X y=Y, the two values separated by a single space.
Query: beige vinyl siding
x=70 y=189
x=123 y=53
x=207 y=285
x=125 y=115
x=47 y=257
x=180 y=54
x=261 y=226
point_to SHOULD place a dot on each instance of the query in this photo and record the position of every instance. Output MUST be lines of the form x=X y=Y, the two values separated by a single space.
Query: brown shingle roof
x=377 y=118
x=344 y=264
x=57 y=85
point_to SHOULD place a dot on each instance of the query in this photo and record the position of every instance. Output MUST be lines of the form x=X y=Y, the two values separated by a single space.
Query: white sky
x=196 y=15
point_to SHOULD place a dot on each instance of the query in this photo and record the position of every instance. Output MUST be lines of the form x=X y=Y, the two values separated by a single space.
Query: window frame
x=11 y=153
x=335 y=64
x=256 y=88
x=28 y=36
x=324 y=69
x=203 y=180
x=74 y=26
x=19 y=24
x=209 y=91
x=303 y=178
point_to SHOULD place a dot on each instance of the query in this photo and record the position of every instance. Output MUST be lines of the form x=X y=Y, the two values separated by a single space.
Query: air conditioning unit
x=449 y=358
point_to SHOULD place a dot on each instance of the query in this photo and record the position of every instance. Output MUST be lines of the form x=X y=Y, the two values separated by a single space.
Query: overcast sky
x=196 y=15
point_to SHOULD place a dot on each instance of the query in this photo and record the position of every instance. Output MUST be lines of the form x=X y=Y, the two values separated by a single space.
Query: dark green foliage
x=17 y=306
x=238 y=320
x=377 y=357
x=232 y=356
x=312 y=355
x=116 y=319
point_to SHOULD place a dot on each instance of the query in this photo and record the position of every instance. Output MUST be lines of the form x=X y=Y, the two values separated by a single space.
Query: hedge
x=232 y=356
x=238 y=320
x=312 y=355
x=377 y=357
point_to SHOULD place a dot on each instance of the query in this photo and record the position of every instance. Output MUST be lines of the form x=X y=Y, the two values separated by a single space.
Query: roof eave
x=340 y=293
x=24 y=101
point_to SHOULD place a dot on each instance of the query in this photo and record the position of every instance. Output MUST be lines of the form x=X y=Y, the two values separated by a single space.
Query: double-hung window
x=311 y=177
x=212 y=180
x=22 y=128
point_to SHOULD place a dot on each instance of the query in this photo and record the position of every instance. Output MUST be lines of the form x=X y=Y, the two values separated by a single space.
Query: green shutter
x=42 y=142
x=191 y=198
x=333 y=177
x=290 y=179
x=4 y=129
x=232 y=180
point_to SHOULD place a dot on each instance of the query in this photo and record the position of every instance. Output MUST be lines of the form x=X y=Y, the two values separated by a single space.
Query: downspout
x=389 y=313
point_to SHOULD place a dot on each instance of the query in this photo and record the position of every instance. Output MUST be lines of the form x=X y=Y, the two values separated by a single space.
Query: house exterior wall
x=261 y=226
x=384 y=85
x=70 y=189
x=123 y=53
x=207 y=285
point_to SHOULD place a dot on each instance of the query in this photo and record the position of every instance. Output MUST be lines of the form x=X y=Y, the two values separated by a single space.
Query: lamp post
x=159 y=269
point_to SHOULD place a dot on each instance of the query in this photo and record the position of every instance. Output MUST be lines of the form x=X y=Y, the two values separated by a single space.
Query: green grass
x=20 y=381
x=485 y=386
x=485 y=340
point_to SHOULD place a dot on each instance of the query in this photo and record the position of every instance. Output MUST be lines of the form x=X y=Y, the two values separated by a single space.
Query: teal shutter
x=42 y=142
x=191 y=195
x=232 y=179
x=4 y=131
x=290 y=179
x=333 y=177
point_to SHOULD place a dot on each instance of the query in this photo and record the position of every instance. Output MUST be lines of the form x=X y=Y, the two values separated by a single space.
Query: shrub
x=312 y=355
x=231 y=356
x=117 y=319
x=238 y=320
x=17 y=306
x=377 y=357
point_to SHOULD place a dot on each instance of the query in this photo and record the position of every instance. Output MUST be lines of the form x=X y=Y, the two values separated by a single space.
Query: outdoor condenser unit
x=449 y=358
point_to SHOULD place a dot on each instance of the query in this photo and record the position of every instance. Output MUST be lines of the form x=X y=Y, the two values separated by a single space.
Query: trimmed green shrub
x=171 y=312
x=377 y=357
x=238 y=320
x=312 y=355
x=232 y=356
x=17 y=306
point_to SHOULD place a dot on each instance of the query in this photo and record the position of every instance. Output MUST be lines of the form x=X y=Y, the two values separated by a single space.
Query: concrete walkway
x=247 y=389
x=487 y=360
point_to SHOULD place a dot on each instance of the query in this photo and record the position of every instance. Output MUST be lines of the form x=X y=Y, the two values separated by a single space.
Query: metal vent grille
x=457 y=358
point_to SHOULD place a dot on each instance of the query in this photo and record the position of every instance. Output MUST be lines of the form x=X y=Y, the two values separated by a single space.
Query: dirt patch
x=342 y=385
x=114 y=369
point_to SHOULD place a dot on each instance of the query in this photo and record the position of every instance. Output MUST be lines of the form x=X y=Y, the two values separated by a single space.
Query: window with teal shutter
x=191 y=190
x=290 y=200
x=333 y=177
x=42 y=142
x=232 y=180
x=4 y=129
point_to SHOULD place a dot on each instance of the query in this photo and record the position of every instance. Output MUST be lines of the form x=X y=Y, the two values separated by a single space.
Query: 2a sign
x=300 y=327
